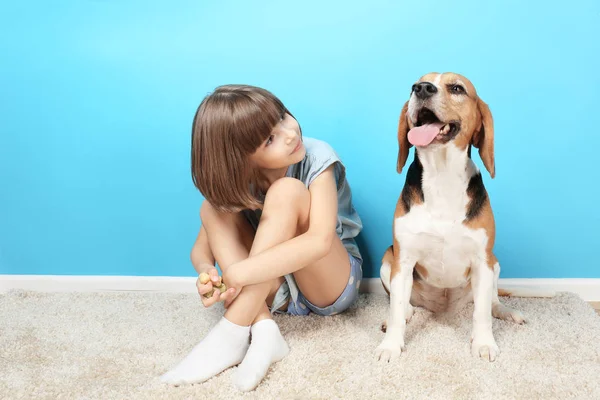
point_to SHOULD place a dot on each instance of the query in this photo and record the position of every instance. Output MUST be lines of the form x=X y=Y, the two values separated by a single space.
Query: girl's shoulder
x=319 y=150
x=319 y=156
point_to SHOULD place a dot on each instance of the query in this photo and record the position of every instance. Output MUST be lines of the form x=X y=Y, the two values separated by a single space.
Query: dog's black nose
x=424 y=90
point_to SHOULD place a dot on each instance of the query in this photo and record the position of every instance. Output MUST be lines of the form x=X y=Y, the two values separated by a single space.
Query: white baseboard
x=587 y=289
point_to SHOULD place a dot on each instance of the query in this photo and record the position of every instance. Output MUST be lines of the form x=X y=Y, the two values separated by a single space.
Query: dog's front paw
x=485 y=347
x=388 y=351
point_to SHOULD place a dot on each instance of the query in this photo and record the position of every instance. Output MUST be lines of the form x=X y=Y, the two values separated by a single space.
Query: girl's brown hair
x=229 y=125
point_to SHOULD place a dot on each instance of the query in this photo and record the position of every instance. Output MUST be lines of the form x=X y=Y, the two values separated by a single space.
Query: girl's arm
x=201 y=256
x=305 y=249
x=203 y=261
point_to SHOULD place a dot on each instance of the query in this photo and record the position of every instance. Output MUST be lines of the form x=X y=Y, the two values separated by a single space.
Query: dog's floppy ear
x=483 y=139
x=403 y=144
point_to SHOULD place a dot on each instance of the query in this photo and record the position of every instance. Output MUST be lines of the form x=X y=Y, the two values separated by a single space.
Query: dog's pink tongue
x=424 y=134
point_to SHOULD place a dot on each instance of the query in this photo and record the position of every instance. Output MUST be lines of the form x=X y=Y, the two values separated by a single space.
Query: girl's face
x=283 y=148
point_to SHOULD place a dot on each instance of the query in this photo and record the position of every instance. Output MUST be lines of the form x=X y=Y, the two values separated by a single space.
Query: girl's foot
x=223 y=347
x=267 y=347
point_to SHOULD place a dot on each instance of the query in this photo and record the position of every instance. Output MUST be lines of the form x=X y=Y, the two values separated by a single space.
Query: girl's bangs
x=254 y=122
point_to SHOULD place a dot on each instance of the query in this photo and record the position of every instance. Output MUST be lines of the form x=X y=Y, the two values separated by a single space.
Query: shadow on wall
x=370 y=260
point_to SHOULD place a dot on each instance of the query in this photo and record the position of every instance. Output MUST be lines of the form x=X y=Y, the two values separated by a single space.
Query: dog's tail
x=524 y=291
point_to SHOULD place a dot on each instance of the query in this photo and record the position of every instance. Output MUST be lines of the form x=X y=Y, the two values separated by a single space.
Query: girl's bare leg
x=230 y=239
x=285 y=216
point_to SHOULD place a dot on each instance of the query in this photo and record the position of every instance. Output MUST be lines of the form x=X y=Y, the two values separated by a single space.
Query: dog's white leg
x=385 y=273
x=499 y=310
x=483 y=343
x=400 y=287
x=409 y=310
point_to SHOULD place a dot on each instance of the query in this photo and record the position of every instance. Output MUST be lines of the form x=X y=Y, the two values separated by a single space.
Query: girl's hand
x=215 y=280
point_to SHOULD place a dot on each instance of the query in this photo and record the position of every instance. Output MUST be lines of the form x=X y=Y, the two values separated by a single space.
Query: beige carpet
x=115 y=345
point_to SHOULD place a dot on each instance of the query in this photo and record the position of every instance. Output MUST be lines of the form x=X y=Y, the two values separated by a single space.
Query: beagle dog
x=443 y=230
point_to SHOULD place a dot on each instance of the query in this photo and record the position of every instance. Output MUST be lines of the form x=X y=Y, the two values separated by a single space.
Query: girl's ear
x=403 y=144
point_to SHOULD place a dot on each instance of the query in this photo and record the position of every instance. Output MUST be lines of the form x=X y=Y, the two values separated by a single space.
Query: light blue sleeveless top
x=319 y=156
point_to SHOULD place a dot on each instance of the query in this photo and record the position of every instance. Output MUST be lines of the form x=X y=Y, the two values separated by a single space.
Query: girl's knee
x=207 y=211
x=210 y=215
x=286 y=190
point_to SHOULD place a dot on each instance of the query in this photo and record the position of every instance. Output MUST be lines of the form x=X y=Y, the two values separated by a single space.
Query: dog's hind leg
x=386 y=268
x=499 y=310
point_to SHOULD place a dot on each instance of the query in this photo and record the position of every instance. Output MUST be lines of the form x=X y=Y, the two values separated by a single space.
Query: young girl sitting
x=280 y=223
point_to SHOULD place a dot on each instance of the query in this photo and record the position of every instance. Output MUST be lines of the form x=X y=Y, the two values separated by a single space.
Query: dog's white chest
x=433 y=234
x=444 y=247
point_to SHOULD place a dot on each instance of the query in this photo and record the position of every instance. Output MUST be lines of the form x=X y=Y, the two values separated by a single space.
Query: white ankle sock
x=223 y=347
x=267 y=347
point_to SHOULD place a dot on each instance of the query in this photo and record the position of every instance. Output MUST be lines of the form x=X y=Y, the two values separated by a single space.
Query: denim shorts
x=299 y=305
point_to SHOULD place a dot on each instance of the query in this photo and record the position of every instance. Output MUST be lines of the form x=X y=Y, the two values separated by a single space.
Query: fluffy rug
x=115 y=345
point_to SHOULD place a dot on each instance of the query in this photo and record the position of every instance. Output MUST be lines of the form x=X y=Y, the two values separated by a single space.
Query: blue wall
x=98 y=98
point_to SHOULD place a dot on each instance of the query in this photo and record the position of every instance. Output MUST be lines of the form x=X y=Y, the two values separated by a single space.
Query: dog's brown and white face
x=443 y=109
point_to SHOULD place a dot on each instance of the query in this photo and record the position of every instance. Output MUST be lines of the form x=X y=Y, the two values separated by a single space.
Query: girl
x=280 y=223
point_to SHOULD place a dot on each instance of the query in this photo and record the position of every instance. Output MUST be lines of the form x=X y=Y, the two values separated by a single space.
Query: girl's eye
x=270 y=140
